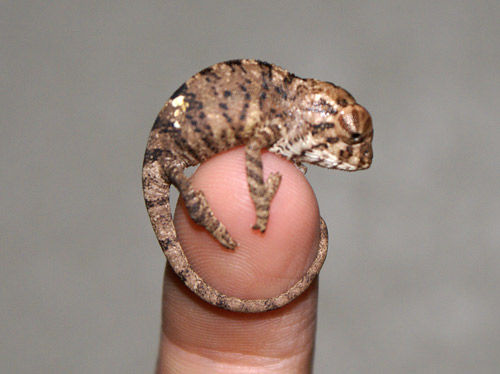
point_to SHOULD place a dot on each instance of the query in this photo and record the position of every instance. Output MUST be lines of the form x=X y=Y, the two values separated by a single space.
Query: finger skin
x=199 y=338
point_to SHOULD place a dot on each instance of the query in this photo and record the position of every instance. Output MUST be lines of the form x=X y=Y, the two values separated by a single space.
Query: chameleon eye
x=355 y=124
x=350 y=137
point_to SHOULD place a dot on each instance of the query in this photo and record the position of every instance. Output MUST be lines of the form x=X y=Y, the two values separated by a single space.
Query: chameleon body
x=258 y=105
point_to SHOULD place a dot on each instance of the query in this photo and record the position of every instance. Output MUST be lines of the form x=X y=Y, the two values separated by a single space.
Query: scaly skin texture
x=259 y=105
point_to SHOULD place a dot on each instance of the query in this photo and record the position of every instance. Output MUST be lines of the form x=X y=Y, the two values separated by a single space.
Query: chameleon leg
x=198 y=207
x=260 y=192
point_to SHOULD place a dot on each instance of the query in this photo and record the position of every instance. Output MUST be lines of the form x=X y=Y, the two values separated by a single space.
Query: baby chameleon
x=259 y=105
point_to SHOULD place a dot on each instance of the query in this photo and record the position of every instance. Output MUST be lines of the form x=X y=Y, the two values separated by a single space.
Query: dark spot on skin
x=247 y=96
x=189 y=116
x=221 y=303
x=342 y=102
x=233 y=63
x=181 y=274
x=227 y=93
x=265 y=86
x=324 y=125
x=193 y=104
x=302 y=154
x=324 y=107
x=202 y=115
x=151 y=204
x=253 y=175
x=183 y=88
x=209 y=72
x=194 y=123
x=228 y=119
x=316 y=146
x=243 y=113
x=264 y=64
x=184 y=145
x=281 y=92
x=268 y=67
x=153 y=154
x=288 y=79
x=206 y=71
x=165 y=244
x=267 y=137
x=169 y=128
x=243 y=88
x=332 y=140
x=276 y=131
x=262 y=98
x=270 y=304
x=237 y=135
x=223 y=106
x=248 y=81
x=210 y=143
x=255 y=161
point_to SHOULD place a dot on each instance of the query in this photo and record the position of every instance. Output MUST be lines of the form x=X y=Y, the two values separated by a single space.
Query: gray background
x=412 y=280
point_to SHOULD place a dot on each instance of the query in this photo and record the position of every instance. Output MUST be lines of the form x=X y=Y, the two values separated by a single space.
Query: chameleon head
x=337 y=132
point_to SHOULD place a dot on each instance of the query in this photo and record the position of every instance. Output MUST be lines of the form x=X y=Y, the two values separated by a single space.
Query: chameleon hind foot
x=263 y=200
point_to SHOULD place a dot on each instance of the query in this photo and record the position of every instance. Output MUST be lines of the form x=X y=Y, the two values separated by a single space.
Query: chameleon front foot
x=262 y=201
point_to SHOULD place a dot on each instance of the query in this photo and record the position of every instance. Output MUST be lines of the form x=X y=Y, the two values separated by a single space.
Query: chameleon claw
x=228 y=243
x=223 y=237
x=261 y=224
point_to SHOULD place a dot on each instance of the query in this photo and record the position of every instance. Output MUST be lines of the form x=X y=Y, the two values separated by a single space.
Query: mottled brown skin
x=259 y=105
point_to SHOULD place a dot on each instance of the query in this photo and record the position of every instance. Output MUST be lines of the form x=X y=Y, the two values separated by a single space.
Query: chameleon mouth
x=353 y=163
x=342 y=157
x=359 y=159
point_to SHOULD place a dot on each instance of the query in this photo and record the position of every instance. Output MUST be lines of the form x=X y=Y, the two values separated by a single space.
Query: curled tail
x=156 y=190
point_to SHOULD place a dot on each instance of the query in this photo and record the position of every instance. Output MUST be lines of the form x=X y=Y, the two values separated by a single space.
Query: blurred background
x=412 y=281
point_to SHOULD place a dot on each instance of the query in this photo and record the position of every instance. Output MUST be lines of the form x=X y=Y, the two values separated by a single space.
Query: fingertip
x=263 y=264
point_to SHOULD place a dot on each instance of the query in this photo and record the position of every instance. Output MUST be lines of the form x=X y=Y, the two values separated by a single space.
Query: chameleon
x=257 y=105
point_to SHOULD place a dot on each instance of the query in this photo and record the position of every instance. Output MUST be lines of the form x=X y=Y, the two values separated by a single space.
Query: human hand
x=199 y=338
